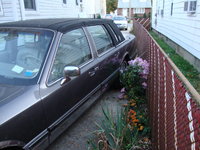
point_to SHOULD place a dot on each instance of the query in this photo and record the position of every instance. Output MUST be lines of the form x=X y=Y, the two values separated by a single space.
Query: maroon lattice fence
x=145 y=22
x=173 y=102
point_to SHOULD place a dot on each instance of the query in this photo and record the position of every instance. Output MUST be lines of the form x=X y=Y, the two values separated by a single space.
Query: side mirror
x=69 y=72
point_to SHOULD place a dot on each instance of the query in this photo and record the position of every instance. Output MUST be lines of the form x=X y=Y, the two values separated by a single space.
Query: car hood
x=9 y=91
x=120 y=21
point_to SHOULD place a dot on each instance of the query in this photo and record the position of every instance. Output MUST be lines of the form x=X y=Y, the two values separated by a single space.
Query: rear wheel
x=123 y=66
x=117 y=83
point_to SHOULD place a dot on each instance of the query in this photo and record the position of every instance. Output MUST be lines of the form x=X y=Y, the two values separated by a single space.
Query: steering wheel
x=32 y=61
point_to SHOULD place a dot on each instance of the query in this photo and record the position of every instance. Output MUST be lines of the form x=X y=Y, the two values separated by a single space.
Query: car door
x=60 y=101
x=106 y=52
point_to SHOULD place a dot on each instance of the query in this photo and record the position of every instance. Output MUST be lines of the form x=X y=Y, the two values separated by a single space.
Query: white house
x=14 y=10
x=137 y=7
x=91 y=7
x=179 y=21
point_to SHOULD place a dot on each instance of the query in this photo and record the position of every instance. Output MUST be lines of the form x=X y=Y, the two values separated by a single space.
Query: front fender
x=11 y=143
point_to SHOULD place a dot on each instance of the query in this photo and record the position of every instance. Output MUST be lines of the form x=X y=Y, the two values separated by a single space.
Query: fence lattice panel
x=174 y=113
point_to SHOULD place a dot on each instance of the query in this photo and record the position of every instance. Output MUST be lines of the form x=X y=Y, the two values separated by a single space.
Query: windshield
x=119 y=18
x=22 y=53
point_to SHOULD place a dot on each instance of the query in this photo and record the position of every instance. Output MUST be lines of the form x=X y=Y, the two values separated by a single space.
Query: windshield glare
x=22 y=53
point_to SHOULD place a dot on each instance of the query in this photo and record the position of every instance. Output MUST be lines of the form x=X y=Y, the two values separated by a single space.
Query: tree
x=144 y=15
x=111 y=5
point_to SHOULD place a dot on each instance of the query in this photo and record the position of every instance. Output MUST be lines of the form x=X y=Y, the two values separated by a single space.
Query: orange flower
x=133 y=104
x=141 y=128
x=125 y=105
x=145 y=139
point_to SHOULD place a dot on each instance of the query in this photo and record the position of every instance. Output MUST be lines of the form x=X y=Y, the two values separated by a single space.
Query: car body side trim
x=56 y=123
x=36 y=140
x=47 y=131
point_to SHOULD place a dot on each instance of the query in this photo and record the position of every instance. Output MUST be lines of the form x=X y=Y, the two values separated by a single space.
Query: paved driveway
x=75 y=138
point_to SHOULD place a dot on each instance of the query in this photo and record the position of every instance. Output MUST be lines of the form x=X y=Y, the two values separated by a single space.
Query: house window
x=190 y=6
x=64 y=1
x=139 y=10
x=76 y=2
x=29 y=4
x=185 y=6
x=193 y=5
x=162 y=12
x=1 y=8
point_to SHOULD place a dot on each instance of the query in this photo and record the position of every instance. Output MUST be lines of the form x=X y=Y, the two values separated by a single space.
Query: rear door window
x=113 y=32
x=101 y=38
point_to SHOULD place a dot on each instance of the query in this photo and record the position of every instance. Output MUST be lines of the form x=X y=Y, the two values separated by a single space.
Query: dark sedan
x=51 y=71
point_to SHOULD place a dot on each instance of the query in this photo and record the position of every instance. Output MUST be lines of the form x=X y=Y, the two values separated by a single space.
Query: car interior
x=22 y=53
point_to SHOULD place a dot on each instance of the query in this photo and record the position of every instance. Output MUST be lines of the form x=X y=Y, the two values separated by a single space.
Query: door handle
x=96 y=68
x=91 y=73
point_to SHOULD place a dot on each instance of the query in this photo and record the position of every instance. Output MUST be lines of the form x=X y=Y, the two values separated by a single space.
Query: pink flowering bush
x=134 y=77
x=142 y=64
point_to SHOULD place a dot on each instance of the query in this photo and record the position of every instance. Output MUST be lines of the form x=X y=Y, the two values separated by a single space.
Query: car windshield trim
x=29 y=48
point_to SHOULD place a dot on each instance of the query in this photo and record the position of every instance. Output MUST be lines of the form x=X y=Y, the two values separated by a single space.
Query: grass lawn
x=187 y=69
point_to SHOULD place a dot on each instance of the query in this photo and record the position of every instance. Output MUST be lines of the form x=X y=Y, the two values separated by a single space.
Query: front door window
x=73 y=50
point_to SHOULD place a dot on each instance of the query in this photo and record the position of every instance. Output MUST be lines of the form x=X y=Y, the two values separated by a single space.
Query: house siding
x=181 y=27
x=53 y=9
x=7 y=8
x=13 y=10
x=94 y=7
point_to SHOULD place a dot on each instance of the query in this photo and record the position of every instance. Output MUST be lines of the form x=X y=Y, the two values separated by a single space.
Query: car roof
x=61 y=24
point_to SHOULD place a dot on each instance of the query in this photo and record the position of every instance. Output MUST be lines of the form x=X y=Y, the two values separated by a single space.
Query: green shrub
x=134 y=78
x=114 y=132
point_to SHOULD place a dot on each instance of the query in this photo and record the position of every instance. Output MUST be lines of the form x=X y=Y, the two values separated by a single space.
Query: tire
x=123 y=66
x=117 y=83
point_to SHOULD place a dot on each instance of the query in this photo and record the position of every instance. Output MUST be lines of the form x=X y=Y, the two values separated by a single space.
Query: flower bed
x=129 y=127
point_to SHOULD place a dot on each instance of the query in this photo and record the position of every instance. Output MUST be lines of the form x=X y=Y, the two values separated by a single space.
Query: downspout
x=21 y=6
x=129 y=9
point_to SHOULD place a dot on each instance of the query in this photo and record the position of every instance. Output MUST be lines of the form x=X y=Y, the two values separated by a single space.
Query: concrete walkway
x=75 y=138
